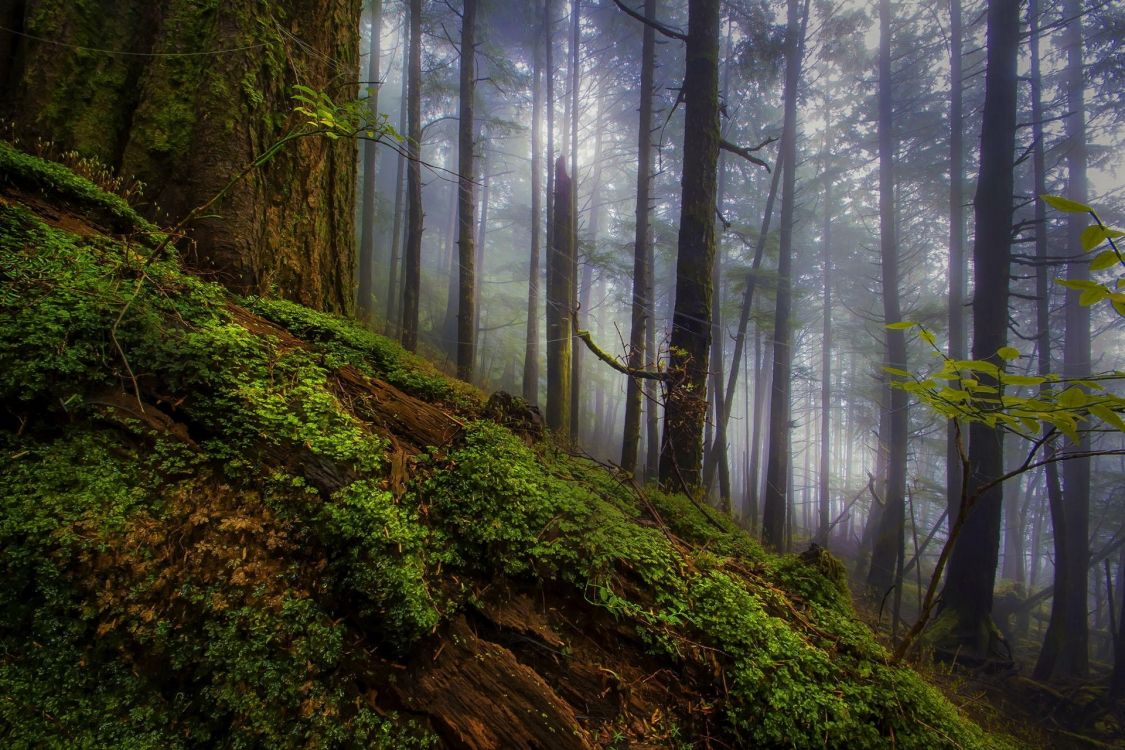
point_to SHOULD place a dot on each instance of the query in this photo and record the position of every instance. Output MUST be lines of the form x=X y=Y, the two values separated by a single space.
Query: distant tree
x=367 y=262
x=531 y=341
x=642 y=304
x=778 y=457
x=560 y=293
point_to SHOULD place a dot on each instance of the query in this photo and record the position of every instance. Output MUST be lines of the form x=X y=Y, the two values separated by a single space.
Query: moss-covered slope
x=271 y=528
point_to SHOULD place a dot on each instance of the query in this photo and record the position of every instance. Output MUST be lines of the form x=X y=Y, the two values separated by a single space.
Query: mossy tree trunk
x=681 y=452
x=204 y=89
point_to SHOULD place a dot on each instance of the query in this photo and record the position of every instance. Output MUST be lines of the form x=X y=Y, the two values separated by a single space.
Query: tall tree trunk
x=652 y=390
x=576 y=348
x=179 y=122
x=482 y=237
x=466 y=204
x=642 y=238
x=531 y=342
x=778 y=458
x=967 y=594
x=412 y=276
x=753 y=480
x=681 y=451
x=1117 y=678
x=560 y=295
x=888 y=548
x=1066 y=645
x=367 y=261
x=394 y=303
x=823 y=496
x=956 y=245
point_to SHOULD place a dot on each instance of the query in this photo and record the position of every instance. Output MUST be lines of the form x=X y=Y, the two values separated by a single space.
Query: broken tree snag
x=478 y=696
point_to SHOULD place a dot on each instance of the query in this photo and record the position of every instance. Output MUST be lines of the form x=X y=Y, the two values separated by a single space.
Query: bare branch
x=747 y=153
x=653 y=23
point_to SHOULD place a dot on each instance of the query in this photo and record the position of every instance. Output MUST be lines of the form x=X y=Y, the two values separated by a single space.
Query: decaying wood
x=478 y=696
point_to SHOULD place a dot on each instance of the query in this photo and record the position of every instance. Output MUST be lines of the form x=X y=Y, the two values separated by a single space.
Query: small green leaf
x=1008 y=352
x=902 y=325
x=1108 y=416
x=1072 y=398
x=927 y=337
x=898 y=372
x=1093 y=296
x=1078 y=284
x=1059 y=203
x=1104 y=260
x=1023 y=380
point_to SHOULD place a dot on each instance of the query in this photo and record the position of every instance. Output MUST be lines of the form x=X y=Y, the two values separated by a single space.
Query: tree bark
x=412 y=275
x=682 y=446
x=778 y=458
x=560 y=295
x=823 y=497
x=967 y=594
x=394 y=301
x=466 y=203
x=576 y=351
x=186 y=124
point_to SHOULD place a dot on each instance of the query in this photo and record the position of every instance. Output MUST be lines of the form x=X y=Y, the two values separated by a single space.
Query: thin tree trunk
x=367 y=263
x=1065 y=651
x=394 y=304
x=824 y=498
x=778 y=458
x=413 y=272
x=576 y=350
x=642 y=239
x=482 y=236
x=888 y=546
x=956 y=245
x=967 y=594
x=466 y=204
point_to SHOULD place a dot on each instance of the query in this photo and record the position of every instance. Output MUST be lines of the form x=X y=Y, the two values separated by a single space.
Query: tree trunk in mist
x=367 y=261
x=1117 y=678
x=482 y=237
x=394 y=303
x=967 y=594
x=754 y=469
x=653 y=390
x=778 y=458
x=466 y=204
x=182 y=125
x=888 y=547
x=412 y=273
x=1065 y=651
x=531 y=342
x=823 y=497
x=681 y=451
x=956 y=245
x=560 y=296
x=576 y=345
x=642 y=301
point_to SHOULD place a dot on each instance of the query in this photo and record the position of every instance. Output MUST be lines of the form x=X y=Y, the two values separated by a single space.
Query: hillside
x=240 y=523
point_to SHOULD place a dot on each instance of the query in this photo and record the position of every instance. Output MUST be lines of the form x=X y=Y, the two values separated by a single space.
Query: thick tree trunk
x=778 y=458
x=365 y=300
x=185 y=125
x=642 y=303
x=560 y=295
x=531 y=342
x=681 y=451
x=888 y=548
x=412 y=275
x=967 y=595
x=466 y=203
x=1066 y=645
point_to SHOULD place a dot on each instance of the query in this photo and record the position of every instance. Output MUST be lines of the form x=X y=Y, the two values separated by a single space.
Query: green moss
x=295 y=567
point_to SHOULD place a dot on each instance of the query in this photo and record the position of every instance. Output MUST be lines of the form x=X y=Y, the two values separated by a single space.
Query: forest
x=562 y=374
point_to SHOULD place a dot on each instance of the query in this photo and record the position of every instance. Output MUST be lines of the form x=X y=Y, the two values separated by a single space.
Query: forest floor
x=1074 y=715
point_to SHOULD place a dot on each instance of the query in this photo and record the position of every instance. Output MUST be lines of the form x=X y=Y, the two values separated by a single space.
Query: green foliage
x=236 y=583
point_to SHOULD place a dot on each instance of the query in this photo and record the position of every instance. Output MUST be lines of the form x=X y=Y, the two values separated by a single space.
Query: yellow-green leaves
x=1096 y=234
x=1060 y=203
x=1008 y=352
